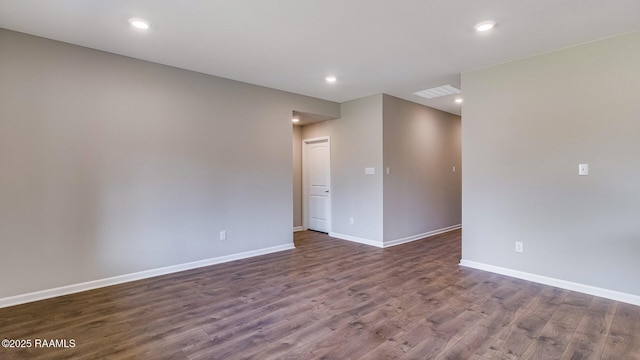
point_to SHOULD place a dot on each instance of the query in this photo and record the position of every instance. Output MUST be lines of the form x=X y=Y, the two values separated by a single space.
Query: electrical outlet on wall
x=583 y=169
x=519 y=247
x=351 y=220
x=223 y=235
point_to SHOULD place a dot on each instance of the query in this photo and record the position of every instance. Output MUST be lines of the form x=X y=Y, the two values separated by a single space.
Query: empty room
x=248 y=179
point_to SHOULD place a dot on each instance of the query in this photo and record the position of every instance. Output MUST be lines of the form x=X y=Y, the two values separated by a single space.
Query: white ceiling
x=373 y=46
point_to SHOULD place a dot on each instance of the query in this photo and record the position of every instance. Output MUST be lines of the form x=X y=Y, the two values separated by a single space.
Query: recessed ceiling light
x=485 y=26
x=295 y=120
x=330 y=79
x=139 y=23
x=458 y=101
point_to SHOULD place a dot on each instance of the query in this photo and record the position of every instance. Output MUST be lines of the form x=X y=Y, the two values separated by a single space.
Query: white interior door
x=317 y=164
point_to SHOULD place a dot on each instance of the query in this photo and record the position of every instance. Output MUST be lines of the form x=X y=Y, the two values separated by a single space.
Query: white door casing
x=316 y=174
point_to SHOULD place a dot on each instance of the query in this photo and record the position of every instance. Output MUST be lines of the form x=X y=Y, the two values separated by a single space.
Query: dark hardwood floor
x=330 y=299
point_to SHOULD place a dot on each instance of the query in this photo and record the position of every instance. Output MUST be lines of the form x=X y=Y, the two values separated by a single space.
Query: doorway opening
x=310 y=126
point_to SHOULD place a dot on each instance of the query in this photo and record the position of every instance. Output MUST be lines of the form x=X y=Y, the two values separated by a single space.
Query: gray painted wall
x=526 y=126
x=297 y=176
x=421 y=146
x=110 y=165
x=356 y=143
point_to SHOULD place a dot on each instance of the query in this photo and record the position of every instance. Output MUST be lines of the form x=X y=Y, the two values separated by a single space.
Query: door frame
x=305 y=179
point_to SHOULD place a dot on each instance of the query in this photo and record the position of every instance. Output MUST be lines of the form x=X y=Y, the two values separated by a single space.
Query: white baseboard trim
x=395 y=242
x=421 y=236
x=89 y=285
x=357 y=239
x=563 y=284
x=298 y=228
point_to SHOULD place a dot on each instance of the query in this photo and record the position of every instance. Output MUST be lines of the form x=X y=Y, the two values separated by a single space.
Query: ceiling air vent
x=435 y=92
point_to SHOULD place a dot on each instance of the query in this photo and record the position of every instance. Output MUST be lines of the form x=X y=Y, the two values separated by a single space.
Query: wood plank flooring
x=330 y=299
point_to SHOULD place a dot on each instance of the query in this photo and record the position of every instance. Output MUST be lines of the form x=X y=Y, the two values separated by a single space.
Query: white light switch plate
x=369 y=171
